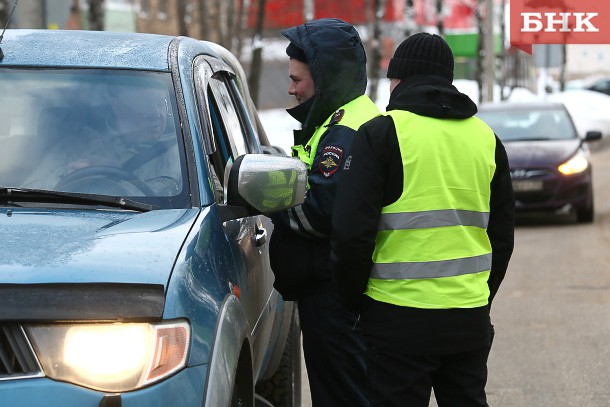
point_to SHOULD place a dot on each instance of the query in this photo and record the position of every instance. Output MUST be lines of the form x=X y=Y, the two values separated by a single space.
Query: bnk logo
x=559 y=22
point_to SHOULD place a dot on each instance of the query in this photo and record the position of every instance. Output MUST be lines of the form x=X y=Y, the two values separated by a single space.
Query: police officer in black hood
x=328 y=79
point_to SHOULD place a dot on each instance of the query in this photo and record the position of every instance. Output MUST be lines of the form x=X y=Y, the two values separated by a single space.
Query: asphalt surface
x=552 y=313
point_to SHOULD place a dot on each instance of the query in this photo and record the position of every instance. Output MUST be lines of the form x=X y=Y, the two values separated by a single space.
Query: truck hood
x=90 y=246
x=88 y=264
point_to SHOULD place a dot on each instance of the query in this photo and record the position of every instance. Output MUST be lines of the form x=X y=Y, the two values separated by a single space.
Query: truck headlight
x=111 y=357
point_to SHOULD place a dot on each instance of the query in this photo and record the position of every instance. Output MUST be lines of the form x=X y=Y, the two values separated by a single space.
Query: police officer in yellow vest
x=328 y=79
x=423 y=232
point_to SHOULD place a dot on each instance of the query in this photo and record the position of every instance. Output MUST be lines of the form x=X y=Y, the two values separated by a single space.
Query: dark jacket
x=300 y=244
x=374 y=180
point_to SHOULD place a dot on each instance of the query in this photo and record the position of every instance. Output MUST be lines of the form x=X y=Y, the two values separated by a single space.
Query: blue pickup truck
x=134 y=265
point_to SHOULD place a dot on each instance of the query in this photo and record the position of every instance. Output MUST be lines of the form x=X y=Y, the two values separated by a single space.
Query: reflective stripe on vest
x=356 y=113
x=432 y=269
x=430 y=219
x=432 y=248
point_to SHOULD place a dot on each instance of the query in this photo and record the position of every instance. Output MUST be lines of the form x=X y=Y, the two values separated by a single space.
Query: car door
x=230 y=135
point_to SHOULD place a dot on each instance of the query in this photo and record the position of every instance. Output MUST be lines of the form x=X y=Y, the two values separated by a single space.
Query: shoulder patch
x=330 y=160
x=336 y=117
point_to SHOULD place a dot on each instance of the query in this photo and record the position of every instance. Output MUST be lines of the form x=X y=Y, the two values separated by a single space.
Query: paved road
x=552 y=314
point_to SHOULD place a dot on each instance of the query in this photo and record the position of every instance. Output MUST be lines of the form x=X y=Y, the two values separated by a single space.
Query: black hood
x=337 y=62
x=431 y=96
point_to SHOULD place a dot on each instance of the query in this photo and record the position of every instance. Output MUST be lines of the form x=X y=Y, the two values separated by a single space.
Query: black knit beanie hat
x=295 y=52
x=422 y=54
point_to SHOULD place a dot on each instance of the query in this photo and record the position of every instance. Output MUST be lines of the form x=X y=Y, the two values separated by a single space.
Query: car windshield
x=533 y=124
x=102 y=132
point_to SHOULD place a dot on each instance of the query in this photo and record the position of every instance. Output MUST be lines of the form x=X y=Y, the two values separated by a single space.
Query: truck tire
x=283 y=389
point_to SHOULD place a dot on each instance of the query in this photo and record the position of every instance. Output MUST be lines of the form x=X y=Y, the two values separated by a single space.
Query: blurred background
x=250 y=27
x=552 y=316
x=487 y=67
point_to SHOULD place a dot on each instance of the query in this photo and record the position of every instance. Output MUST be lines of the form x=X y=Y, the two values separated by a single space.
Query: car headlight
x=111 y=357
x=575 y=165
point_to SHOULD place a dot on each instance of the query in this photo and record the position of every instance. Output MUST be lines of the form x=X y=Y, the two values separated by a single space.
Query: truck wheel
x=283 y=389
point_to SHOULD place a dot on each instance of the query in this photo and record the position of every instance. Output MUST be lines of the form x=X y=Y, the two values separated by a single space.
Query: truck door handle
x=261 y=236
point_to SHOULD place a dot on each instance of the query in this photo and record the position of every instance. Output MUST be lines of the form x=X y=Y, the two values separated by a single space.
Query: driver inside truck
x=135 y=136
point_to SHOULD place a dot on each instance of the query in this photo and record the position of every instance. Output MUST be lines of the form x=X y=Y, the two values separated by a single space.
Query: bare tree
x=379 y=10
x=562 y=68
x=96 y=15
x=257 y=51
x=222 y=26
x=220 y=21
x=490 y=54
x=308 y=10
x=440 y=25
x=4 y=11
x=212 y=15
x=480 y=48
x=242 y=21
x=410 y=23
x=203 y=20
x=369 y=21
x=368 y=15
x=181 y=13
x=230 y=5
x=502 y=57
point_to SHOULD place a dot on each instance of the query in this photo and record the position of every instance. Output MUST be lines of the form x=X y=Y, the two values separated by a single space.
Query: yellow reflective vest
x=353 y=114
x=432 y=250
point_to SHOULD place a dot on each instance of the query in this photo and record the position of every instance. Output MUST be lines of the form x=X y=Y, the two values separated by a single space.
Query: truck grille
x=17 y=360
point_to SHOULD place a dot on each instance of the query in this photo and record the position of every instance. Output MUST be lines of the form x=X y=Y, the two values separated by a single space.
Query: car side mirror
x=593 y=135
x=263 y=184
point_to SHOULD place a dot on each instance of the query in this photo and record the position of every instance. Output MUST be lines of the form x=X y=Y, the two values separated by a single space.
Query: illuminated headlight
x=111 y=357
x=575 y=165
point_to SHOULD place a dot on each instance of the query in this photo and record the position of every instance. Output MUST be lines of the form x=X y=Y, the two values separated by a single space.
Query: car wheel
x=283 y=389
x=586 y=214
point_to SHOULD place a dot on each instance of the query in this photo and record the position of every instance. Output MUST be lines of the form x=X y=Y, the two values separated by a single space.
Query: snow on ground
x=589 y=109
x=278 y=127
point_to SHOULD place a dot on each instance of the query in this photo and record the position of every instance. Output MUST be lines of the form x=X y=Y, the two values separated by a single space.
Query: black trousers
x=334 y=350
x=403 y=380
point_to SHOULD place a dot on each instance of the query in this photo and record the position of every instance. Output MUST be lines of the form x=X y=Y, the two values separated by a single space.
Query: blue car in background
x=134 y=265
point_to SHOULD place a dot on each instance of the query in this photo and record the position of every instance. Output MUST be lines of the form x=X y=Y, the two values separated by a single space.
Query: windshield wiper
x=41 y=195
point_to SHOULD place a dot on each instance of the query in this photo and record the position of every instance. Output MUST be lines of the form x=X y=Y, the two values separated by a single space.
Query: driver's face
x=141 y=114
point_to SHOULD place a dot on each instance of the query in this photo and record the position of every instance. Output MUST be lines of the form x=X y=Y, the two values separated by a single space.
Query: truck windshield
x=104 y=132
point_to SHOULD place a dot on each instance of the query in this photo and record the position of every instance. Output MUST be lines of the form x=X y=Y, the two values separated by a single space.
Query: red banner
x=559 y=22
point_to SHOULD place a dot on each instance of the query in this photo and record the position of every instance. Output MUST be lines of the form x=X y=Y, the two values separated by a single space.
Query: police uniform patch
x=337 y=116
x=330 y=160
